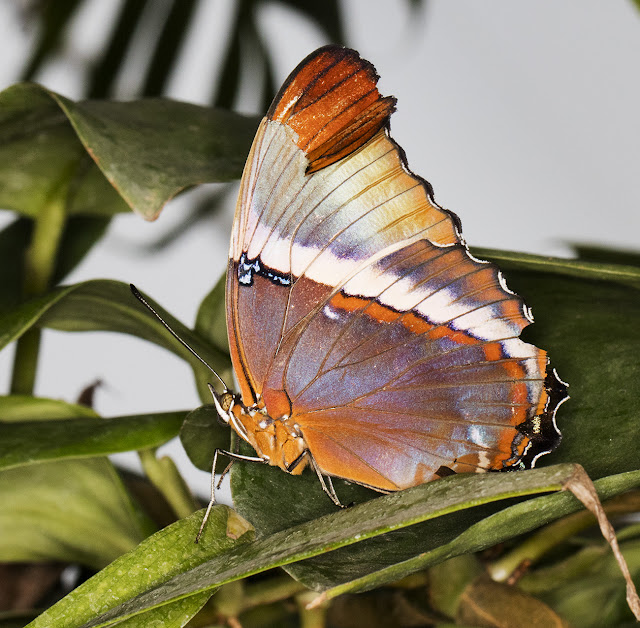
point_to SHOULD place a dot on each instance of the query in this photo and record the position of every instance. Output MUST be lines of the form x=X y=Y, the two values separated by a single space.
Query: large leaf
x=176 y=614
x=174 y=146
x=57 y=510
x=582 y=269
x=40 y=152
x=51 y=510
x=354 y=526
x=37 y=440
x=583 y=318
x=144 y=152
x=606 y=255
x=497 y=528
x=156 y=560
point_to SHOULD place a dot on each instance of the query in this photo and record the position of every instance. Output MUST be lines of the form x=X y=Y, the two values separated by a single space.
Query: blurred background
x=523 y=116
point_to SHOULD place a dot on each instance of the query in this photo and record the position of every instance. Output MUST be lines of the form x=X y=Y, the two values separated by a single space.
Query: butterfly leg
x=332 y=492
x=326 y=483
x=212 y=501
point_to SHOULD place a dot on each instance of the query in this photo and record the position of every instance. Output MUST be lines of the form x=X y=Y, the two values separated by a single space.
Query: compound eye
x=226 y=401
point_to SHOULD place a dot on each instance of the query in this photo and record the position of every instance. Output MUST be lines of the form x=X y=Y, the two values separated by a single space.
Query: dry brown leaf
x=493 y=604
x=582 y=487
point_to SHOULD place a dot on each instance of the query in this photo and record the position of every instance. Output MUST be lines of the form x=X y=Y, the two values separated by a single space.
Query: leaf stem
x=25 y=363
x=164 y=475
x=39 y=266
x=311 y=617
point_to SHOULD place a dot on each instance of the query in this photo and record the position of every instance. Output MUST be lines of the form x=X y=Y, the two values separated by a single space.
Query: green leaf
x=15 y=408
x=496 y=528
x=52 y=510
x=606 y=255
x=354 y=525
x=103 y=305
x=30 y=441
x=579 y=268
x=39 y=152
x=596 y=598
x=173 y=615
x=144 y=152
x=156 y=560
x=57 y=510
x=201 y=434
x=152 y=149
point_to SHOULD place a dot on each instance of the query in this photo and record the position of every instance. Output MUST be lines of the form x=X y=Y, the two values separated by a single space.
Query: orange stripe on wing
x=414 y=323
x=332 y=103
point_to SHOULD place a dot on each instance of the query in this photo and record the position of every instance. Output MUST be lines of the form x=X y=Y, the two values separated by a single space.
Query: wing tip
x=332 y=103
x=313 y=64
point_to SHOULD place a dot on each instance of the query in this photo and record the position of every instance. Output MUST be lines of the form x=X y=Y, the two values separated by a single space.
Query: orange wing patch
x=333 y=105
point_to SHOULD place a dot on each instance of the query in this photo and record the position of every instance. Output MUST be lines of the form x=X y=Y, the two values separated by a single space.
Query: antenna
x=137 y=295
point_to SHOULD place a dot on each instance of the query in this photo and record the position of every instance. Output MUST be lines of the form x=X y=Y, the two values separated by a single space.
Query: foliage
x=66 y=169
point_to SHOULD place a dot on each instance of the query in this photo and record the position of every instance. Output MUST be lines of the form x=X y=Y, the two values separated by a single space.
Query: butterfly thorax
x=278 y=441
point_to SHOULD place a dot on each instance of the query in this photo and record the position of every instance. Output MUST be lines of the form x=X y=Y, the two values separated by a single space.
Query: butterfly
x=368 y=342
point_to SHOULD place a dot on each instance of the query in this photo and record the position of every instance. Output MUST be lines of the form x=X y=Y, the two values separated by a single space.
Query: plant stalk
x=311 y=617
x=40 y=261
x=164 y=475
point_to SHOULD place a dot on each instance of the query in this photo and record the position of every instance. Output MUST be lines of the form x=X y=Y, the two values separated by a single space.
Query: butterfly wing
x=285 y=215
x=354 y=307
